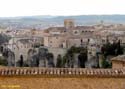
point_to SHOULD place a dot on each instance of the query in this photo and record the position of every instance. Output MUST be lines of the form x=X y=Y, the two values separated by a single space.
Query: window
x=64 y=30
x=75 y=32
x=82 y=31
x=81 y=40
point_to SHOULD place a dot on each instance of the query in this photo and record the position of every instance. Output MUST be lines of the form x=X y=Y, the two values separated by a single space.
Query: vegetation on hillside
x=68 y=59
x=4 y=38
x=111 y=49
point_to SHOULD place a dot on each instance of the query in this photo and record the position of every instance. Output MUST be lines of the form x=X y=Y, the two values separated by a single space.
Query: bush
x=3 y=61
x=59 y=61
x=106 y=64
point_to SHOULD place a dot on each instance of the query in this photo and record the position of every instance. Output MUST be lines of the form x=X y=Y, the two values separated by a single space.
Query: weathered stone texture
x=35 y=82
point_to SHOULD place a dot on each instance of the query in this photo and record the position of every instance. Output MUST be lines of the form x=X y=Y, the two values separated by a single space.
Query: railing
x=62 y=72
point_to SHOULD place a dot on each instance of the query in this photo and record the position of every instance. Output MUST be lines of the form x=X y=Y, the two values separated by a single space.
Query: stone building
x=67 y=36
x=118 y=62
x=20 y=46
x=69 y=23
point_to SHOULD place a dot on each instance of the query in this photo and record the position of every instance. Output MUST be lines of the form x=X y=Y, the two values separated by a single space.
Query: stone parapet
x=75 y=72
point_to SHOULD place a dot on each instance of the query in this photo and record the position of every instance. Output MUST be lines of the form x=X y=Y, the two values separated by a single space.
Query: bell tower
x=69 y=23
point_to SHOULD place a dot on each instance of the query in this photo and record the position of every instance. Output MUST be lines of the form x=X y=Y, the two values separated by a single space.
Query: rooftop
x=119 y=58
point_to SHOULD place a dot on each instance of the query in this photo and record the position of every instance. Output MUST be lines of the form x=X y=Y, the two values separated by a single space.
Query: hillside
x=41 y=22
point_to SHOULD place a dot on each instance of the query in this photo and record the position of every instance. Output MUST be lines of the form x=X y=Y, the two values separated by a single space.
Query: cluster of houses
x=58 y=39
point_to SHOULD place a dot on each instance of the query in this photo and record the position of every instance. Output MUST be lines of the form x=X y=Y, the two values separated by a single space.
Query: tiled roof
x=84 y=27
x=62 y=71
x=25 y=41
x=119 y=58
x=77 y=27
x=57 y=28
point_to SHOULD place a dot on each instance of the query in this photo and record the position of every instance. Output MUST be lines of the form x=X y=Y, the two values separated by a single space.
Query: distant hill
x=48 y=21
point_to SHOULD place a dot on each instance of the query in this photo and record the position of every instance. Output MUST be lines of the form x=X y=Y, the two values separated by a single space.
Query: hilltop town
x=67 y=46
x=62 y=44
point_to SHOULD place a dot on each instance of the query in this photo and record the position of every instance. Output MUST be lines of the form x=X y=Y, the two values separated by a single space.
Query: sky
x=12 y=8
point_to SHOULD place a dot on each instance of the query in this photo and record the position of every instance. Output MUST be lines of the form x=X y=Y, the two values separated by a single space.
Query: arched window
x=75 y=32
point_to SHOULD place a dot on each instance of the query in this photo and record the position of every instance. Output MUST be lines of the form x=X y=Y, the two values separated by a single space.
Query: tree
x=1 y=49
x=113 y=49
x=64 y=60
x=3 y=61
x=4 y=38
x=50 y=58
x=32 y=55
x=120 y=50
x=21 y=60
x=59 y=61
x=82 y=58
x=106 y=64
x=68 y=59
x=42 y=54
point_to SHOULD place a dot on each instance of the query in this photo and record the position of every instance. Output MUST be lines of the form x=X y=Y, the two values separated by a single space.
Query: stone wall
x=34 y=78
x=118 y=64
x=56 y=52
x=33 y=82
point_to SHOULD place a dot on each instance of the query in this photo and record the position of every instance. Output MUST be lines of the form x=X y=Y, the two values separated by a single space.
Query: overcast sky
x=11 y=8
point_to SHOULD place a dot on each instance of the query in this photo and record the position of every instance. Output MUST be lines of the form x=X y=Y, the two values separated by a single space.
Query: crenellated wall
x=43 y=78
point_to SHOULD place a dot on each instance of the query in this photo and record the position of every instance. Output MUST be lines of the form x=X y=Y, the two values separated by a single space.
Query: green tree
x=50 y=58
x=64 y=60
x=3 y=61
x=113 y=49
x=68 y=58
x=59 y=61
x=106 y=64
x=82 y=58
x=4 y=38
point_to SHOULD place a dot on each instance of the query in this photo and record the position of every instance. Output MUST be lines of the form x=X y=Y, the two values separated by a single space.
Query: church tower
x=69 y=23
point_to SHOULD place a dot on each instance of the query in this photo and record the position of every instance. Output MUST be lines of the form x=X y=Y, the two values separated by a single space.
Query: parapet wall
x=64 y=78
x=62 y=72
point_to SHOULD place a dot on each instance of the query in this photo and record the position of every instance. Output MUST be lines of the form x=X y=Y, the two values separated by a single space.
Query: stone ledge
x=62 y=72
